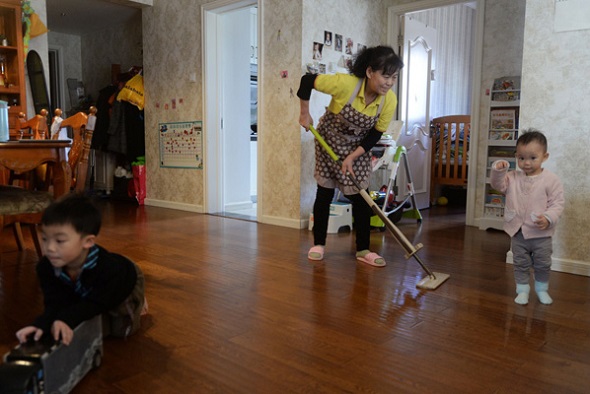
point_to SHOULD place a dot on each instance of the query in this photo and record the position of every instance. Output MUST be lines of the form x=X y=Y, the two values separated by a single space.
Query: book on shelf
x=506 y=89
x=497 y=135
x=506 y=83
x=503 y=152
x=494 y=197
x=503 y=119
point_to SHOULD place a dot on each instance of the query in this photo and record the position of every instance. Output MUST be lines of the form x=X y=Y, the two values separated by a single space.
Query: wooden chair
x=55 y=124
x=83 y=129
x=34 y=128
x=22 y=206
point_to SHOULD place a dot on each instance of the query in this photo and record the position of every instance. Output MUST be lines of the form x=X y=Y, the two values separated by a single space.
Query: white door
x=417 y=48
x=227 y=90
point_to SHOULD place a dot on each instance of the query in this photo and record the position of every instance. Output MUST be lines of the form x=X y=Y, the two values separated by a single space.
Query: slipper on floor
x=316 y=253
x=371 y=258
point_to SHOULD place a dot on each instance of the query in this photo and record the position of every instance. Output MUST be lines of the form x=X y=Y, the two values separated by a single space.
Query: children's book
x=503 y=119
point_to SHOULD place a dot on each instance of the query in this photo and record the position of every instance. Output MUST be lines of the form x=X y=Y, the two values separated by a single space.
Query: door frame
x=393 y=29
x=212 y=103
x=57 y=78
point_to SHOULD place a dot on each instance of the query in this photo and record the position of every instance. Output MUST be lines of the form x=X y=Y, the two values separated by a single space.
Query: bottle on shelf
x=3 y=72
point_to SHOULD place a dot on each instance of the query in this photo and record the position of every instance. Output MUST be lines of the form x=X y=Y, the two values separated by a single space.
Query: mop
x=430 y=282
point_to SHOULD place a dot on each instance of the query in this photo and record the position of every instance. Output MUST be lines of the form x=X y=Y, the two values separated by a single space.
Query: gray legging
x=535 y=253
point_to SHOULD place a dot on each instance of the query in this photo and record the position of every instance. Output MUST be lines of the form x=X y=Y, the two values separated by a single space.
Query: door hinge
x=400 y=40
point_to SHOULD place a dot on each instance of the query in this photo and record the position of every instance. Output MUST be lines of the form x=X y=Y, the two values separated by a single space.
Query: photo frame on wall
x=327 y=38
x=338 y=42
x=317 y=50
x=349 y=45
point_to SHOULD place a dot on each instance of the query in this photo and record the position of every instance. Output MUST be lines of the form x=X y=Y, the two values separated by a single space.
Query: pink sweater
x=539 y=195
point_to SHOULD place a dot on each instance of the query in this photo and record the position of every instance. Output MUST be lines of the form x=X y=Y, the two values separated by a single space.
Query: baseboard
x=238 y=206
x=567 y=266
x=283 y=222
x=174 y=205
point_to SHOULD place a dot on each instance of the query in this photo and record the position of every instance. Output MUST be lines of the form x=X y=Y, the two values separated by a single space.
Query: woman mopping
x=361 y=108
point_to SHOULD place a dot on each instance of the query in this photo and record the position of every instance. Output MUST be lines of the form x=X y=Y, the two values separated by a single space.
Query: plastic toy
x=50 y=367
x=394 y=210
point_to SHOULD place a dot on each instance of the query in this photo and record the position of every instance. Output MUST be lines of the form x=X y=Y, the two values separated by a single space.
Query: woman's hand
x=347 y=165
x=305 y=120
x=59 y=329
x=349 y=160
x=24 y=333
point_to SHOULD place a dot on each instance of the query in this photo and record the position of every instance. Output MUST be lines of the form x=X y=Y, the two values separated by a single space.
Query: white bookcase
x=501 y=143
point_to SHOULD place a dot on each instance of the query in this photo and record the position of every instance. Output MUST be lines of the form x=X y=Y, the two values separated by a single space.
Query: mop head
x=431 y=282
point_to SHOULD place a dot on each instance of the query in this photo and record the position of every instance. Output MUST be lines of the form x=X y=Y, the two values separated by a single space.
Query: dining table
x=25 y=155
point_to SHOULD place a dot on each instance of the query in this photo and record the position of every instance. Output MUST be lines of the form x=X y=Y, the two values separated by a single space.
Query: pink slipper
x=371 y=258
x=316 y=253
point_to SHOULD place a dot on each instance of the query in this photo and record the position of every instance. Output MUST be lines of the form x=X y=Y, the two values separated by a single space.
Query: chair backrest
x=82 y=126
x=34 y=128
x=56 y=124
x=82 y=167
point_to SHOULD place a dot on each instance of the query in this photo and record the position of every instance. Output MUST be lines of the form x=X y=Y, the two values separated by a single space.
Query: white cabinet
x=501 y=143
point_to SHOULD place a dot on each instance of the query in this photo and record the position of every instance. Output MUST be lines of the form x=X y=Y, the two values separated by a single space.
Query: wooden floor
x=236 y=307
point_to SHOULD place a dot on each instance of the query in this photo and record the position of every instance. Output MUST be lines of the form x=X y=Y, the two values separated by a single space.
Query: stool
x=340 y=218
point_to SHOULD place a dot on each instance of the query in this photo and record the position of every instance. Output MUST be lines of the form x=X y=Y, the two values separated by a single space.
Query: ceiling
x=78 y=17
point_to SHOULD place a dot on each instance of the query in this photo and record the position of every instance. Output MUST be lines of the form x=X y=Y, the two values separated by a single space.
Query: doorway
x=445 y=98
x=56 y=78
x=230 y=80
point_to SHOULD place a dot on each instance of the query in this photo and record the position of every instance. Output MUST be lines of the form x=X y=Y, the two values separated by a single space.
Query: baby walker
x=385 y=197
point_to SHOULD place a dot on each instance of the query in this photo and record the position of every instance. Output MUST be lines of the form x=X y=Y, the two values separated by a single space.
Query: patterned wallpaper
x=555 y=100
x=502 y=56
x=171 y=55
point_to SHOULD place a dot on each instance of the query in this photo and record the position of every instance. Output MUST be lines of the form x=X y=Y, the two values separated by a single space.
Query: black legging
x=361 y=213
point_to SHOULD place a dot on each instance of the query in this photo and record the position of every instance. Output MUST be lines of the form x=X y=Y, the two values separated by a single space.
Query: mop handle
x=324 y=144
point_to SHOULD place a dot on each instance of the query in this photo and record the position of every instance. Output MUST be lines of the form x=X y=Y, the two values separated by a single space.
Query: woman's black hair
x=379 y=58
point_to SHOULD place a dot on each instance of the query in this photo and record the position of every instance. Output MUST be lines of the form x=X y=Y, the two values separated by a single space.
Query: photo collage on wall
x=335 y=50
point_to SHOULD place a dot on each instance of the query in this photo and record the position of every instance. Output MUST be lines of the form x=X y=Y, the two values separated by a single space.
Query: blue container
x=4 y=133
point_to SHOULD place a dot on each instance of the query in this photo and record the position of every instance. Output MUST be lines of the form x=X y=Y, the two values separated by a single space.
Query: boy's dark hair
x=379 y=58
x=77 y=210
x=530 y=135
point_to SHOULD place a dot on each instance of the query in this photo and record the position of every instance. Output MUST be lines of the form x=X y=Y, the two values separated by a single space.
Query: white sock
x=522 y=298
x=522 y=294
x=541 y=290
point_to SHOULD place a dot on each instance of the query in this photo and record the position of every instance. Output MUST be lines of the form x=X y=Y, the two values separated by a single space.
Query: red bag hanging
x=139 y=182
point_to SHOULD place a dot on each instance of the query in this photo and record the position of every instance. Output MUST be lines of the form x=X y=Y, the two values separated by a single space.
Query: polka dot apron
x=344 y=132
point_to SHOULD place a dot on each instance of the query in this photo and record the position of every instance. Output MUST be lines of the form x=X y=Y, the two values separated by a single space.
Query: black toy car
x=50 y=367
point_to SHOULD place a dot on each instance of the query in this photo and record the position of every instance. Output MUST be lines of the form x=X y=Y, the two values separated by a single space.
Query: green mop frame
x=430 y=282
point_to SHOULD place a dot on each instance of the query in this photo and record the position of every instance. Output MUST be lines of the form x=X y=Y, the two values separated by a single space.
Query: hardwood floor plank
x=236 y=307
